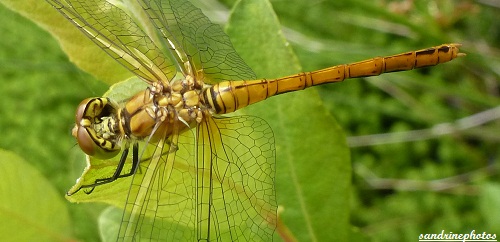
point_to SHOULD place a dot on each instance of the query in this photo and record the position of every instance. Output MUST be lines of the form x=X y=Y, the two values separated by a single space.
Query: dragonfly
x=194 y=174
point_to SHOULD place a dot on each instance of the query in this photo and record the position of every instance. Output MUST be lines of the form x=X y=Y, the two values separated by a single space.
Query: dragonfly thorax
x=160 y=110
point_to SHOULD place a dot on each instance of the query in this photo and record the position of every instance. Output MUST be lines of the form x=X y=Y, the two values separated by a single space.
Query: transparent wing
x=202 y=45
x=236 y=191
x=114 y=31
x=144 y=212
x=214 y=183
x=191 y=41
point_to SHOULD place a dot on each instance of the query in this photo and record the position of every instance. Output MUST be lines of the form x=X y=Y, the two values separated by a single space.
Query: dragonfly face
x=96 y=127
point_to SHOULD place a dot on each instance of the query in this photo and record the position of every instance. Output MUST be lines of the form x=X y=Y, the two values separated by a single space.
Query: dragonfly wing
x=236 y=197
x=160 y=203
x=115 y=32
x=197 y=41
x=214 y=183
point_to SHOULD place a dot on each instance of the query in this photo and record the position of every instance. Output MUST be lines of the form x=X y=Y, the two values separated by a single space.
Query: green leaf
x=30 y=204
x=313 y=164
x=109 y=222
x=81 y=51
x=488 y=206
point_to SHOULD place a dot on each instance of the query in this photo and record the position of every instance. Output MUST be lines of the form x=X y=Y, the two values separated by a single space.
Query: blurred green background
x=430 y=164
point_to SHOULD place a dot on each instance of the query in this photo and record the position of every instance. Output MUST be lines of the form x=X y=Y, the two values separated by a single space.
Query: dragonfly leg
x=119 y=168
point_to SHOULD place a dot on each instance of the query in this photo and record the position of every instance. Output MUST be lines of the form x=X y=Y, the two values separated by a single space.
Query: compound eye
x=85 y=141
x=80 y=111
x=95 y=146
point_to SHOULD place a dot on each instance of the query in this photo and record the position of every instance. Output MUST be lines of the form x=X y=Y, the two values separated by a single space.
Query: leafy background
x=443 y=175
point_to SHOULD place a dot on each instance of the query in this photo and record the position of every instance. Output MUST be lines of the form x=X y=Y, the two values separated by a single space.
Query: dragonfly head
x=95 y=128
